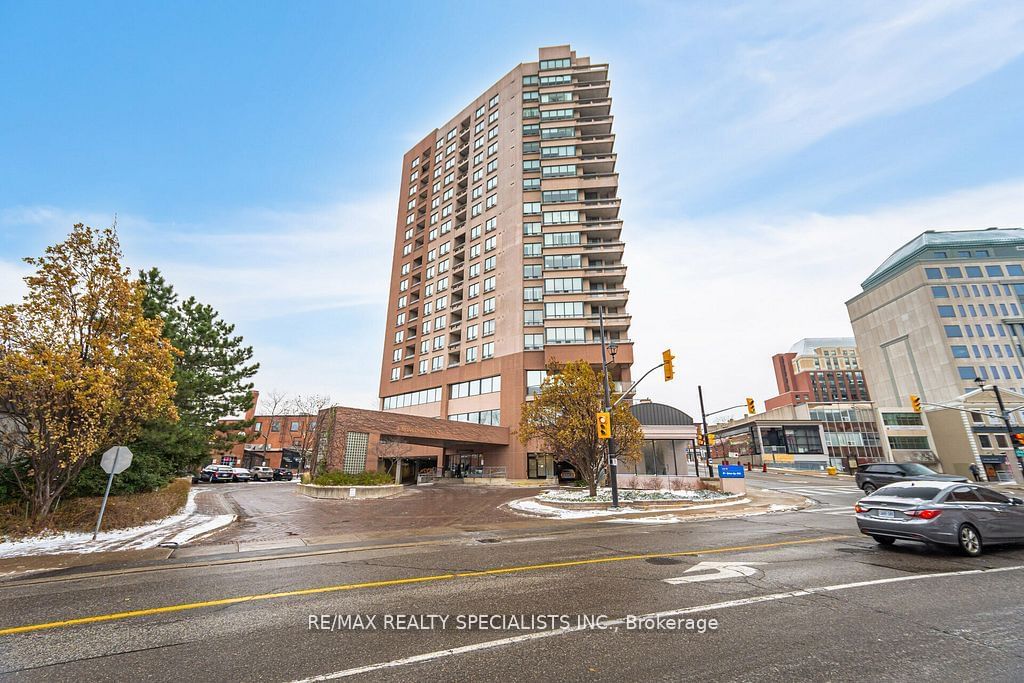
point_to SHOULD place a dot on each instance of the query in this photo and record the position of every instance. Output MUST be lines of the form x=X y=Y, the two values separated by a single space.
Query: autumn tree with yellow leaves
x=81 y=367
x=563 y=416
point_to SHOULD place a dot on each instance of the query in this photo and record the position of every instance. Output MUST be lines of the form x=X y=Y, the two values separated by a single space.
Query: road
x=801 y=596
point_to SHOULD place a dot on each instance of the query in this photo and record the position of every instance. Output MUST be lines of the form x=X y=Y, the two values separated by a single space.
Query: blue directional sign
x=730 y=471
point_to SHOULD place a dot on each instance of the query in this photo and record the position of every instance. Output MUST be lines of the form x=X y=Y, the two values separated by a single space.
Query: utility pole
x=613 y=467
x=704 y=419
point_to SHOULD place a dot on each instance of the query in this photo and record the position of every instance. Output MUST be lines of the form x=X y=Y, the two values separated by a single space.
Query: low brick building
x=354 y=440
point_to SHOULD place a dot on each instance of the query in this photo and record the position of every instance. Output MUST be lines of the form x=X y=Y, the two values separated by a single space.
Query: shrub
x=338 y=478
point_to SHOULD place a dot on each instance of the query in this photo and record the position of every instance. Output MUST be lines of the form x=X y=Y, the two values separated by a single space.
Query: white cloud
x=284 y=278
x=728 y=292
x=733 y=87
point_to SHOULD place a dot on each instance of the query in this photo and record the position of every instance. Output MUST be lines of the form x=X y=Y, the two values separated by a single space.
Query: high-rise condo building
x=507 y=245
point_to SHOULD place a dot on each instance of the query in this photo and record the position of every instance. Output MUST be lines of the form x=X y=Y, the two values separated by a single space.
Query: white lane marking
x=720 y=570
x=491 y=644
x=811 y=491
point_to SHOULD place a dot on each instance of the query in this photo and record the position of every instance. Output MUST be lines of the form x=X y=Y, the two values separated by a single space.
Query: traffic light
x=700 y=436
x=604 y=426
x=667 y=358
x=1018 y=438
x=750 y=406
x=711 y=439
x=915 y=403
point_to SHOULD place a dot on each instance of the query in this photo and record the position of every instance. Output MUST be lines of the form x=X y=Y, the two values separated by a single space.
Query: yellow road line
x=394 y=582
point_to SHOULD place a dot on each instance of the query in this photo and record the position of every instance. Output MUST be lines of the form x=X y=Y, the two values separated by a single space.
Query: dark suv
x=872 y=477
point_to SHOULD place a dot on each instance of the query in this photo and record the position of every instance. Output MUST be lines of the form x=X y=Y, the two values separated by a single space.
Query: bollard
x=750 y=466
x=764 y=467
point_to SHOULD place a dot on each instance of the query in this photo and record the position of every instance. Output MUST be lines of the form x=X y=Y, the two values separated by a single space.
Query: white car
x=262 y=474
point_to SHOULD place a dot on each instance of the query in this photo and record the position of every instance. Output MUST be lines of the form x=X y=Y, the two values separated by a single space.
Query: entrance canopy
x=420 y=431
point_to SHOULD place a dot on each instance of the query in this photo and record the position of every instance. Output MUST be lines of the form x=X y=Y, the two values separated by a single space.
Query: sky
x=771 y=155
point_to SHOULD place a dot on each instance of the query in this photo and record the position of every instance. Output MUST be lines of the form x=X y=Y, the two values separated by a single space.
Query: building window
x=919 y=443
x=533 y=342
x=484 y=385
x=483 y=417
x=488 y=351
x=356 y=444
x=933 y=273
x=565 y=335
x=547 y=64
x=413 y=398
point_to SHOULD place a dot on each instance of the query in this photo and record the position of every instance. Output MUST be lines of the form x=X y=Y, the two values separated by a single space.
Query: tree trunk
x=39 y=507
x=593 y=487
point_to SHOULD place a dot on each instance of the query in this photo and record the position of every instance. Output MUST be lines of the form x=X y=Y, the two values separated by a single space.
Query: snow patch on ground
x=179 y=528
x=533 y=506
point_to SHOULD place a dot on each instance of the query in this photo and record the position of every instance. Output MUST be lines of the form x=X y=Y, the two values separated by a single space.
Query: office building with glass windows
x=507 y=244
x=939 y=317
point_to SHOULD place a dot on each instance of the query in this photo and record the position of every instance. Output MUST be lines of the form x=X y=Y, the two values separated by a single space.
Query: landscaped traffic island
x=639 y=499
x=342 y=485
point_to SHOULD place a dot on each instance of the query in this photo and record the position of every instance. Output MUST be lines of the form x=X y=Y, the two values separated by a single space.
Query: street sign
x=719 y=570
x=730 y=471
x=116 y=460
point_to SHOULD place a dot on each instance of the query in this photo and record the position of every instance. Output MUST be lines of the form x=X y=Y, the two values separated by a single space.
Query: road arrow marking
x=719 y=570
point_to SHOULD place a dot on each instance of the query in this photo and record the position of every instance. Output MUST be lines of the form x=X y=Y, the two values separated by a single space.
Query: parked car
x=873 y=477
x=241 y=474
x=216 y=473
x=283 y=474
x=946 y=513
x=262 y=473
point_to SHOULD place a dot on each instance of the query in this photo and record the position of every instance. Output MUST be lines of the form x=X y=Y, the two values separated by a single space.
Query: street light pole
x=704 y=419
x=613 y=467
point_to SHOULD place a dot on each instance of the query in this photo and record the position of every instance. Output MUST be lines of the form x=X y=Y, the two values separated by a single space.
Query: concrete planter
x=350 y=492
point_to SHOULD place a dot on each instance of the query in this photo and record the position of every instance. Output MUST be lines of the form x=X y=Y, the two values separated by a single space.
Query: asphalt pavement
x=793 y=596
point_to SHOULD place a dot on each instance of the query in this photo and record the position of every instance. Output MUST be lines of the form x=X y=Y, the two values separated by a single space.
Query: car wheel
x=884 y=540
x=969 y=540
x=869 y=488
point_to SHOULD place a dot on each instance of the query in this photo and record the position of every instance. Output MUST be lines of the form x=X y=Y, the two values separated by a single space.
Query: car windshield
x=916 y=469
x=913 y=492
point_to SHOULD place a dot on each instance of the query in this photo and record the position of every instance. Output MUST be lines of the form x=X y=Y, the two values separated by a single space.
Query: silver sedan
x=945 y=513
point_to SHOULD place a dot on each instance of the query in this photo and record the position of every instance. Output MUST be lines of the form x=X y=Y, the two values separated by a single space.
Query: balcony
x=591 y=90
x=595 y=182
x=601 y=209
x=604 y=273
x=612 y=248
x=595 y=144
x=607 y=297
x=594 y=125
x=596 y=163
x=594 y=108
x=602 y=229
